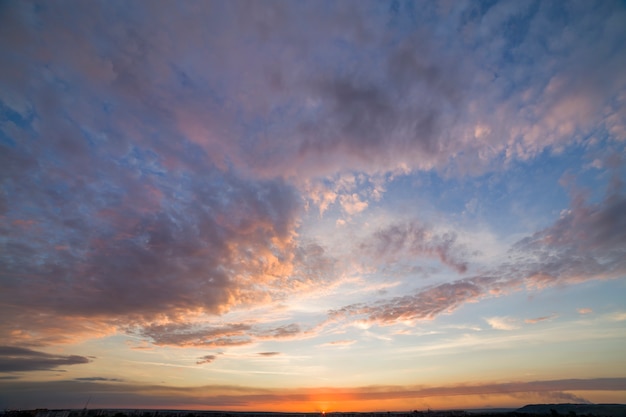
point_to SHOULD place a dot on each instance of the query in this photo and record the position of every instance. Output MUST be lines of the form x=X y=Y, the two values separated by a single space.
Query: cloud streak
x=226 y=396
x=585 y=243
x=19 y=359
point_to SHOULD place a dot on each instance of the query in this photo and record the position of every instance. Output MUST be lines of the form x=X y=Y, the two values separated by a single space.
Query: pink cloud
x=503 y=323
x=536 y=320
x=339 y=343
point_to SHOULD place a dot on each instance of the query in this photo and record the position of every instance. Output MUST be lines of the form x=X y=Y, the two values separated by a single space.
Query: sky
x=312 y=205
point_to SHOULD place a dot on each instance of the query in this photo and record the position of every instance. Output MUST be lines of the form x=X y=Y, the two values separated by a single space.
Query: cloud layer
x=154 y=396
x=16 y=359
x=245 y=176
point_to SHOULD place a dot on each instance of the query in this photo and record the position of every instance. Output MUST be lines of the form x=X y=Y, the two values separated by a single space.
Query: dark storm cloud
x=18 y=359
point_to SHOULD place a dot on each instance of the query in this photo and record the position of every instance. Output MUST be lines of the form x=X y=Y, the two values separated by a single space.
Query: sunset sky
x=312 y=205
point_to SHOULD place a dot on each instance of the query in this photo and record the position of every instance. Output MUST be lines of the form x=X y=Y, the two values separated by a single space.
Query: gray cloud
x=425 y=304
x=269 y=353
x=288 y=330
x=206 y=359
x=412 y=239
x=586 y=242
x=120 y=258
x=98 y=379
x=105 y=218
x=185 y=334
x=352 y=87
x=208 y=335
x=19 y=359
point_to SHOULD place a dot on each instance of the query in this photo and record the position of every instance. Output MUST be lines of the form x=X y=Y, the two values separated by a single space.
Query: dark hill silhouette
x=600 y=410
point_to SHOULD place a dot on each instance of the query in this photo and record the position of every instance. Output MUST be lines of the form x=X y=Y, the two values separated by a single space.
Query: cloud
x=339 y=343
x=539 y=319
x=424 y=305
x=189 y=334
x=269 y=353
x=202 y=251
x=584 y=310
x=19 y=359
x=410 y=239
x=280 y=332
x=312 y=108
x=411 y=108
x=59 y=394
x=206 y=359
x=585 y=243
x=502 y=323
x=352 y=204
x=98 y=379
x=146 y=176
x=618 y=316
x=204 y=334
x=564 y=397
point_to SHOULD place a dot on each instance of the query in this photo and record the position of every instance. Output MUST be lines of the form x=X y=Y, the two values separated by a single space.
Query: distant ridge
x=600 y=410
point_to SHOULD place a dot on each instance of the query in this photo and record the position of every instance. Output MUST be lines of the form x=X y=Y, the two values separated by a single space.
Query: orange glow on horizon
x=343 y=403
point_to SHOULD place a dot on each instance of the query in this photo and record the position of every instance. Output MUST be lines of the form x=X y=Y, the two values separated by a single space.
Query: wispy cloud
x=339 y=343
x=188 y=334
x=585 y=243
x=206 y=359
x=411 y=239
x=98 y=379
x=269 y=353
x=536 y=320
x=503 y=323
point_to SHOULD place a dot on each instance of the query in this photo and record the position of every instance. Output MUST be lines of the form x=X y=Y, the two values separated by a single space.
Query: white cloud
x=503 y=323
x=352 y=204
